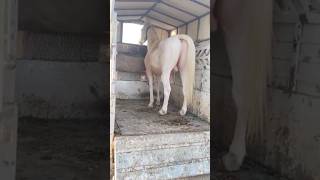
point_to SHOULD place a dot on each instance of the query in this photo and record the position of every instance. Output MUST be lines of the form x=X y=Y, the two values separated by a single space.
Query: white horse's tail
x=189 y=67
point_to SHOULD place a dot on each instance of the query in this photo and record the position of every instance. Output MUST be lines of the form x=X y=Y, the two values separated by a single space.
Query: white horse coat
x=164 y=55
x=247 y=27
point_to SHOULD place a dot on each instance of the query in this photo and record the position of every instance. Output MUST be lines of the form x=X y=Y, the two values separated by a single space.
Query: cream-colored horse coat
x=164 y=55
x=247 y=27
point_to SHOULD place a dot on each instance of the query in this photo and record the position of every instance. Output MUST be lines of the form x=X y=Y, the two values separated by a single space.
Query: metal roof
x=168 y=14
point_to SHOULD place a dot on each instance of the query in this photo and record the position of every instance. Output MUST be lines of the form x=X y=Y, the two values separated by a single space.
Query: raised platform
x=150 y=146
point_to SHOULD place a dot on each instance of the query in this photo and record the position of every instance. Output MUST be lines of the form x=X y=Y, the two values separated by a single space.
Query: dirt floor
x=66 y=149
x=133 y=117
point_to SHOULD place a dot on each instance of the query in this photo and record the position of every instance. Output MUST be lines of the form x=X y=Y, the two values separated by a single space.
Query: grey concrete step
x=149 y=146
x=129 y=63
x=132 y=49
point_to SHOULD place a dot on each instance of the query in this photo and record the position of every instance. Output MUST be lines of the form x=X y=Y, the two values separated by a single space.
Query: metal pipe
x=161 y=21
x=196 y=18
x=182 y=10
x=200 y=3
x=155 y=3
x=198 y=28
x=168 y=15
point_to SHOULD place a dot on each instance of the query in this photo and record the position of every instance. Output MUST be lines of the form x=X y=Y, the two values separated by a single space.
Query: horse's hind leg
x=239 y=58
x=165 y=78
x=158 y=91
x=149 y=75
x=183 y=76
x=183 y=110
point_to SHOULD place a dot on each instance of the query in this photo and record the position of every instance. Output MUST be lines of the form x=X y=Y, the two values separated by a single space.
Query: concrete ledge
x=129 y=63
x=149 y=146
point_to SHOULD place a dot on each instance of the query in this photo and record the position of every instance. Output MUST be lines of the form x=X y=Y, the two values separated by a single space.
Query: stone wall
x=292 y=129
x=8 y=105
x=131 y=81
x=61 y=75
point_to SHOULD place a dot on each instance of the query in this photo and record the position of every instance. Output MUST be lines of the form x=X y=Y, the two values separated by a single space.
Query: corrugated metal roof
x=168 y=14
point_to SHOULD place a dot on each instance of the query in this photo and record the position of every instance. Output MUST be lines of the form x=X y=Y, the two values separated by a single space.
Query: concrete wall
x=61 y=76
x=82 y=16
x=8 y=105
x=292 y=129
x=131 y=81
x=59 y=47
x=61 y=89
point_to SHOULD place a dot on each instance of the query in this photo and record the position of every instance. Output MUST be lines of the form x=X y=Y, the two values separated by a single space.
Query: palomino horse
x=247 y=29
x=164 y=55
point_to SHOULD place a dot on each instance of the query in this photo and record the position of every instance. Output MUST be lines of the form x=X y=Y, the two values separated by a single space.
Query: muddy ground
x=65 y=149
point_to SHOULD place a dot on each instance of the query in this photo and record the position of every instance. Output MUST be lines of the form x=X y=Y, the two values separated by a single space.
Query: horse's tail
x=189 y=67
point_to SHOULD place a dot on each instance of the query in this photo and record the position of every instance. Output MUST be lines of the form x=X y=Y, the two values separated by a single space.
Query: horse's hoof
x=231 y=162
x=150 y=105
x=158 y=103
x=218 y=165
x=162 y=112
x=182 y=112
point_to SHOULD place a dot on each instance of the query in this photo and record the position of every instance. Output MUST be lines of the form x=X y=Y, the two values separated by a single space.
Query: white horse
x=164 y=55
x=247 y=28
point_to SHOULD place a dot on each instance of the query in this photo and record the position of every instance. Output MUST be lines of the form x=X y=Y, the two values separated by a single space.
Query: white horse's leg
x=239 y=58
x=165 y=78
x=237 y=150
x=183 y=76
x=149 y=75
x=158 y=91
x=184 y=80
